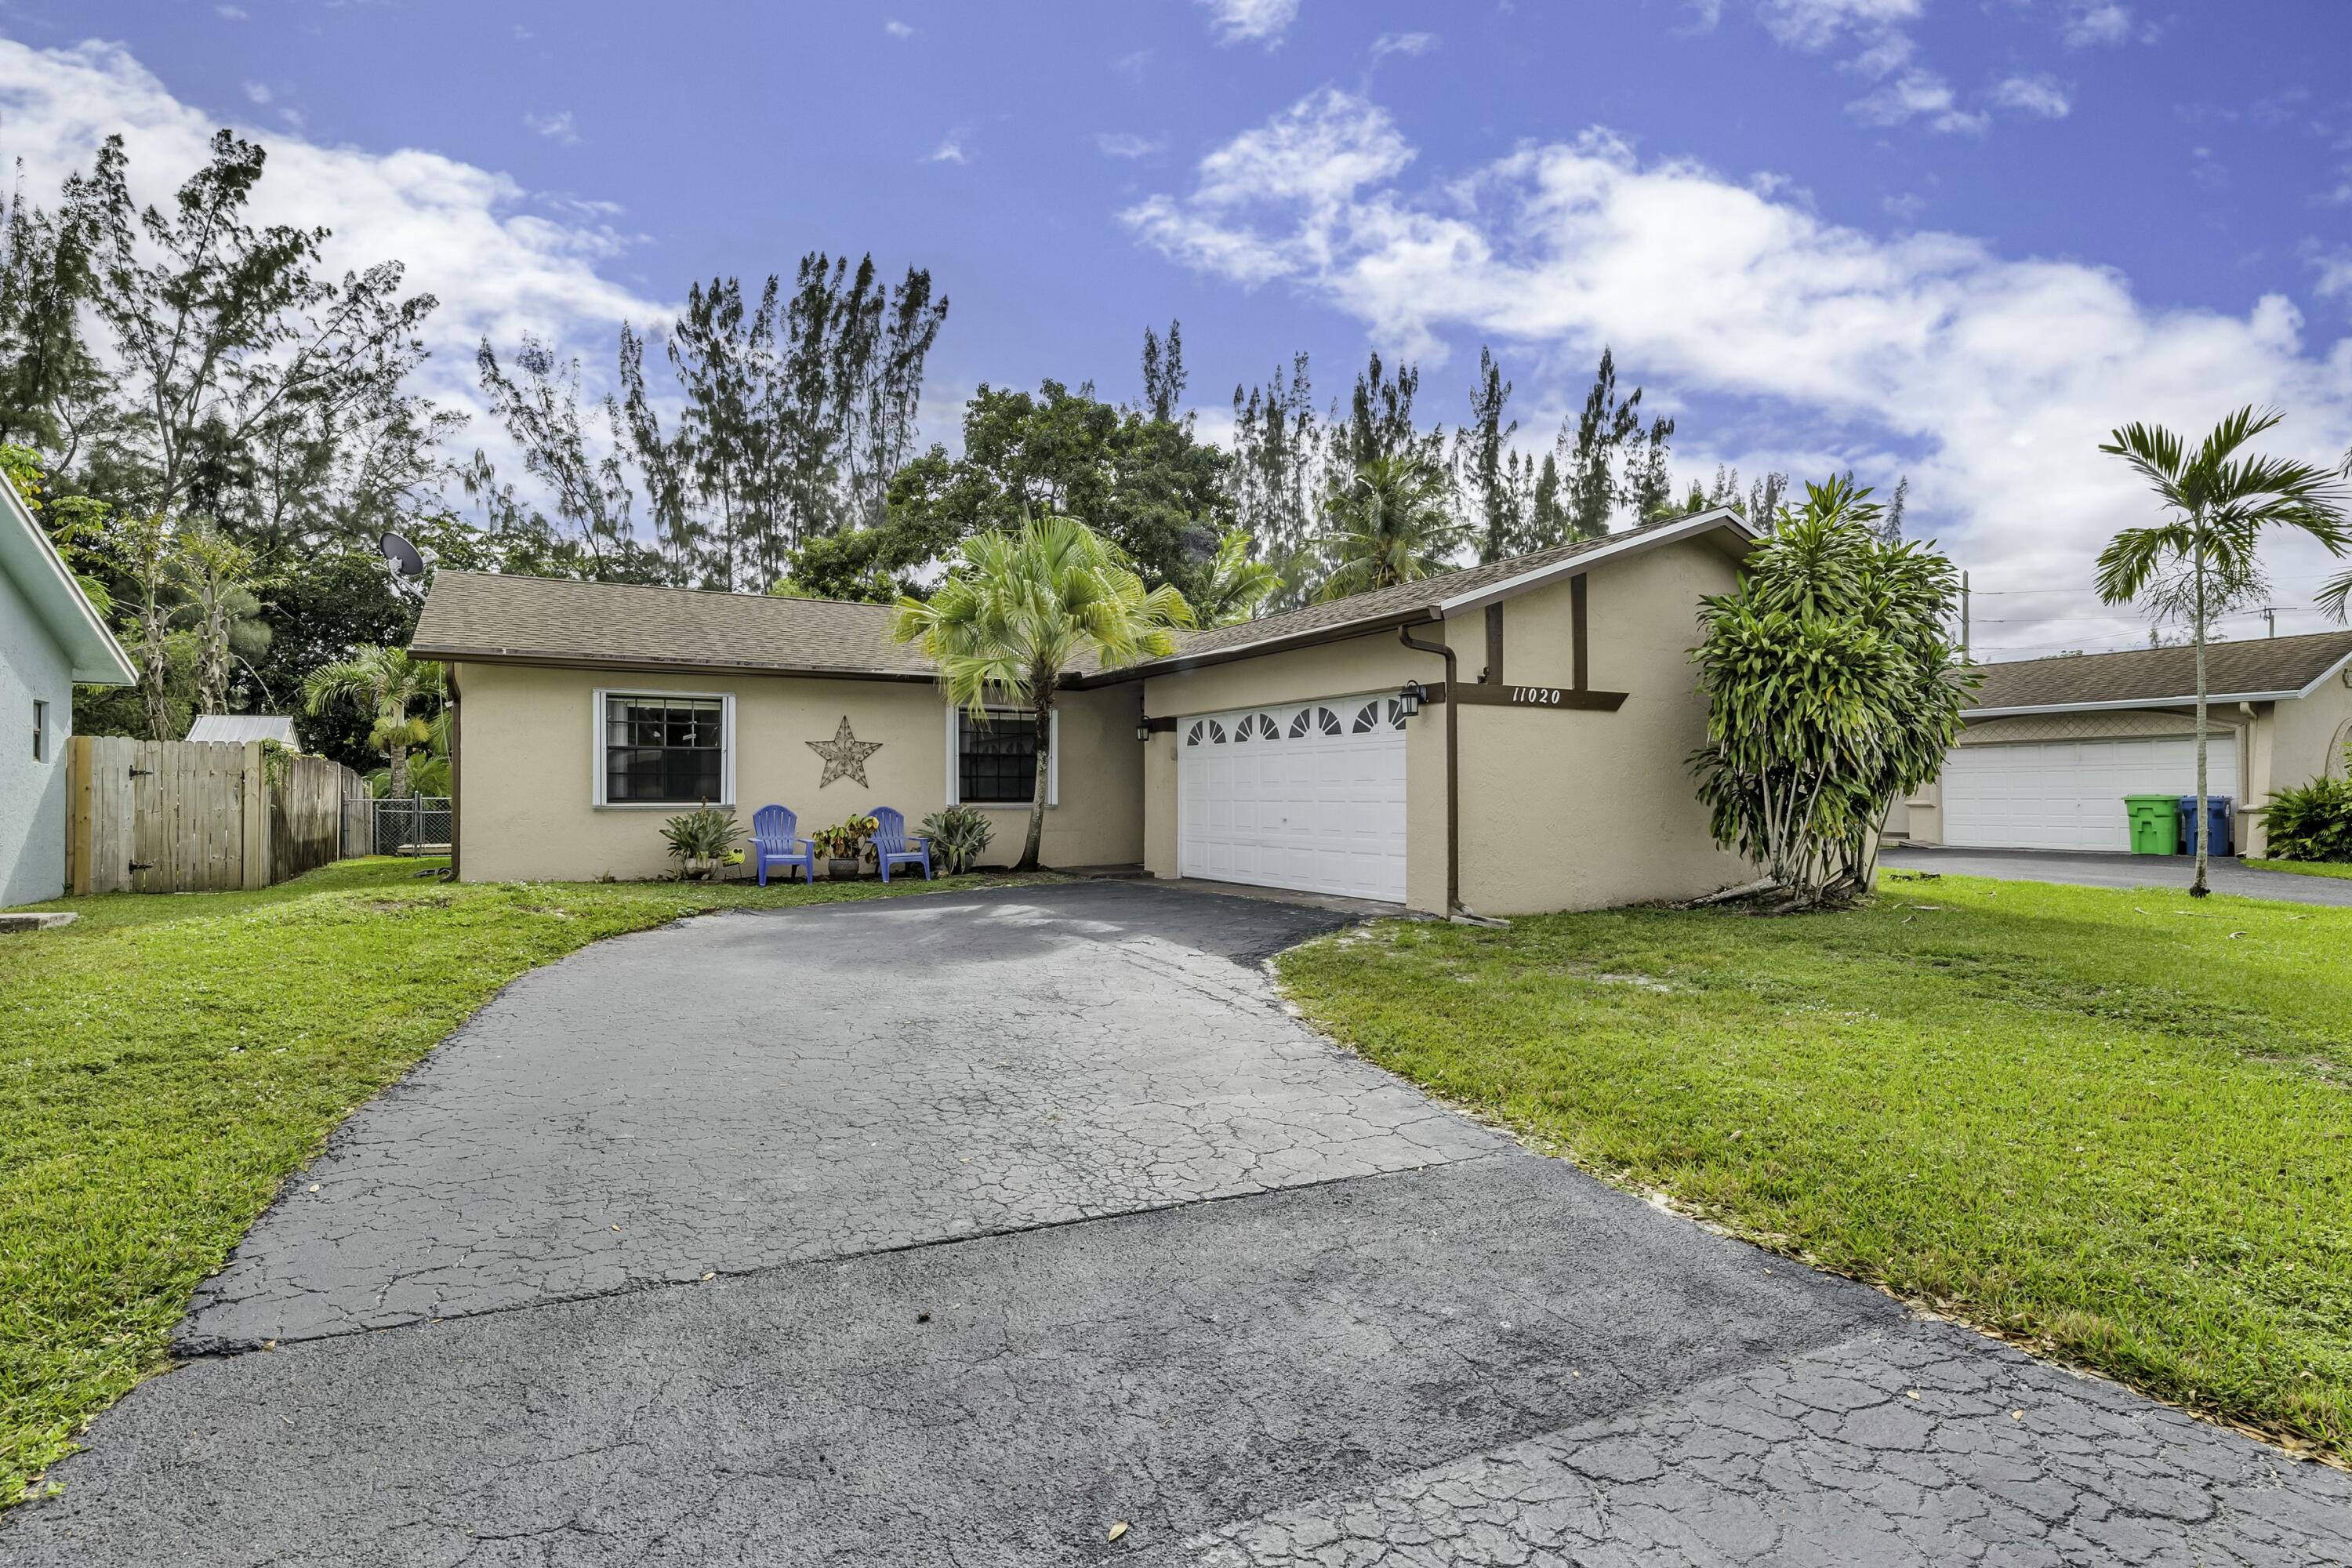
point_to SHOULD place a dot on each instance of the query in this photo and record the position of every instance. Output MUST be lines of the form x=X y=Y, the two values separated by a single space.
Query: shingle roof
x=481 y=616
x=2233 y=669
x=487 y=617
x=1423 y=594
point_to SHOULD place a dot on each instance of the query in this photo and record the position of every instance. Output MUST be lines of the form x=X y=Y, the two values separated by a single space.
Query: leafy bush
x=1832 y=691
x=2310 y=822
x=957 y=835
x=699 y=840
x=845 y=839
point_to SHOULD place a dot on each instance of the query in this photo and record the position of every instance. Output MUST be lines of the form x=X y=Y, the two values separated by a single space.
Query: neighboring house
x=1276 y=752
x=238 y=728
x=50 y=638
x=2052 y=746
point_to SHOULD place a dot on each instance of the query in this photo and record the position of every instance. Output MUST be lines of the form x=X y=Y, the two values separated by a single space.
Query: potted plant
x=844 y=845
x=957 y=834
x=701 y=841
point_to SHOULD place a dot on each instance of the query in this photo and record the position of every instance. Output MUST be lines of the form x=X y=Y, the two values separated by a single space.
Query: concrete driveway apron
x=965 y=1229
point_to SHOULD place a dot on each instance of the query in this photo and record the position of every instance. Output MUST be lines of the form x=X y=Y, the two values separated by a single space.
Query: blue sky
x=1953 y=240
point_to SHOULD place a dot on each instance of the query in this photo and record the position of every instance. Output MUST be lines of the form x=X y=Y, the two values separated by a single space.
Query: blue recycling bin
x=2217 y=815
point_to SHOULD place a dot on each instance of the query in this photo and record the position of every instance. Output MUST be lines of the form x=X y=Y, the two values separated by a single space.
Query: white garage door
x=2069 y=794
x=1310 y=798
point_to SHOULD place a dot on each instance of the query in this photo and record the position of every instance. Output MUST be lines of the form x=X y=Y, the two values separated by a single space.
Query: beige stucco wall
x=2296 y=741
x=527 y=758
x=1584 y=810
x=1560 y=809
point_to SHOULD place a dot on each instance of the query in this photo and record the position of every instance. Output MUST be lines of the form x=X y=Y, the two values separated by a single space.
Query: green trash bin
x=2155 y=823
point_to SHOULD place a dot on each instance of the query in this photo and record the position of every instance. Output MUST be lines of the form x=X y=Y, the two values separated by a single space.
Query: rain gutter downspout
x=1453 y=767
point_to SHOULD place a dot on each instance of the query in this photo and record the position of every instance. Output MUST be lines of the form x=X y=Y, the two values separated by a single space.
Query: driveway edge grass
x=1995 y=1120
x=166 y=1063
x=2335 y=868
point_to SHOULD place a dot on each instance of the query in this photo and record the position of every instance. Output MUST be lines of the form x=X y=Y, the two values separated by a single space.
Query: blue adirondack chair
x=891 y=845
x=775 y=841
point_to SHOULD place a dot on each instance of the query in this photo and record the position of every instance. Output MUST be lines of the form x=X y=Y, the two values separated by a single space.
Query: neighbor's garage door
x=2069 y=794
x=1310 y=798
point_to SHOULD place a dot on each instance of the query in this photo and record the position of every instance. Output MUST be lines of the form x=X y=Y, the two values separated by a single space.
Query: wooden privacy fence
x=192 y=816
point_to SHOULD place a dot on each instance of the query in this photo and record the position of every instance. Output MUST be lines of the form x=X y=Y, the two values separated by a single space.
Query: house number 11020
x=1542 y=696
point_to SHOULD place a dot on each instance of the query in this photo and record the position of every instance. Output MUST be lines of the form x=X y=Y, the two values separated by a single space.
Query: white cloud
x=256 y=94
x=2091 y=23
x=556 y=127
x=2040 y=95
x=1134 y=66
x=948 y=150
x=1818 y=24
x=1251 y=21
x=897 y=29
x=1989 y=379
x=2335 y=275
x=230 y=13
x=1917 y=95
x=1408 y=44
x=467 y=234
x=1127 y=144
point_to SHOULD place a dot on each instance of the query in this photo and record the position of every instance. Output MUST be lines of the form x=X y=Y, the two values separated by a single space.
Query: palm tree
x=1017 y=608
x=389 y=681
x=1236 y=583
x=1392 y=527
x=2334 y=594
x=2218 y=504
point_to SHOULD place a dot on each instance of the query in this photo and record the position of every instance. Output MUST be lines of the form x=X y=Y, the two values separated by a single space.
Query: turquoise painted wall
x=32 y=793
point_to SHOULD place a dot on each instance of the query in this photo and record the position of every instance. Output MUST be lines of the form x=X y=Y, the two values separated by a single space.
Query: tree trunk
x=399 y=771
x=1044 y=721
x=2197 y=888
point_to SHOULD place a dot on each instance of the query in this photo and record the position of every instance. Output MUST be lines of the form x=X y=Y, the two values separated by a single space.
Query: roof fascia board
x=1176 y=664
x=1632 y=544
x=2188 y=701
x=111 y=667
x=662 y=666
x=2326 y=675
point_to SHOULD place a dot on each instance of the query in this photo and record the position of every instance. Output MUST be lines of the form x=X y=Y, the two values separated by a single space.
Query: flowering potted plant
x=844 y=845
x=702 y=842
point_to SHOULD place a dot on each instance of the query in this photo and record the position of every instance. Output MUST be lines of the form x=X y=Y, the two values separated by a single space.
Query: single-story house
x=236 y=729
x=2052 y=746
x=51 y=637
x=1545 y=766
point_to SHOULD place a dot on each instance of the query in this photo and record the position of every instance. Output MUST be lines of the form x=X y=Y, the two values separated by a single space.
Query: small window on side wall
x=663 y=749
x=40 y=731
x=996 y=759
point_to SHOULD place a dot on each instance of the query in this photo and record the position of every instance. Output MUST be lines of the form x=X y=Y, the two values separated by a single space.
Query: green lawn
x=2110 y=1125
x=2305 y=867
x=165 y=1062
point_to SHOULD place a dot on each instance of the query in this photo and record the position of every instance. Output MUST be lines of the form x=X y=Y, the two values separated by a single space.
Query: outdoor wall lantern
x=1143 y=728
x=1410 y=700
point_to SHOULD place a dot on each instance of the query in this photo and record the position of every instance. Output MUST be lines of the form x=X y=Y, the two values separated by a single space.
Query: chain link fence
x=417 y=825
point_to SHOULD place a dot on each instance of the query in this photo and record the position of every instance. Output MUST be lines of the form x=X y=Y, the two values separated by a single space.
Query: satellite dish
x=405 y=562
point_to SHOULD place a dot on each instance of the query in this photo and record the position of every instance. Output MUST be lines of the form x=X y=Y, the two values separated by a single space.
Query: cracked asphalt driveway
x=958 y=1229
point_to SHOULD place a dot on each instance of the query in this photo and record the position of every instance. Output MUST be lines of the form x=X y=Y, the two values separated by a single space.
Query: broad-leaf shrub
x=2310 y=822
x=1832 y=691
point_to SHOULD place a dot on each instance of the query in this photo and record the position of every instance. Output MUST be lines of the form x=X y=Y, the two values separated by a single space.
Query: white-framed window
x=40 y=731
x=665 y=749
x=993 y=762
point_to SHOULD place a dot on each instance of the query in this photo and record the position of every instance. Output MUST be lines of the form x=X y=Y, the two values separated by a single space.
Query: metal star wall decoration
x=844 y=755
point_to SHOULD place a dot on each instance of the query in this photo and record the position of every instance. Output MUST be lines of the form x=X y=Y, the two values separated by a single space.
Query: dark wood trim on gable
x=1559 y=699
x=1580 y=670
